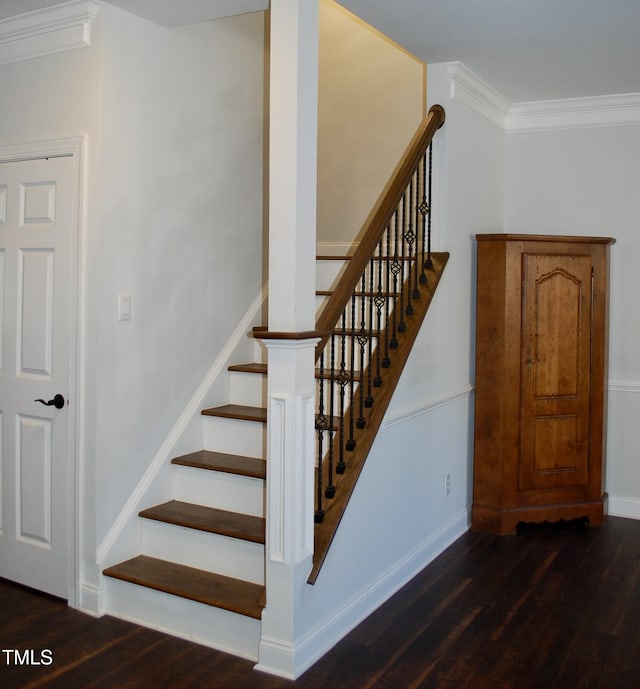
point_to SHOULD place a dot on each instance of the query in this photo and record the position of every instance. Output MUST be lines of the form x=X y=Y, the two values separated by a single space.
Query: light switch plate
x=124 y=307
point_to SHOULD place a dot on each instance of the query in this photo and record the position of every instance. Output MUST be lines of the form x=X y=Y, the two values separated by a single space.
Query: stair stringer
x=124 y=539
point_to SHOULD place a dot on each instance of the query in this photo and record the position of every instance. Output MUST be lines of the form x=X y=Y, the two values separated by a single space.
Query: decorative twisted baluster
x=380 y=301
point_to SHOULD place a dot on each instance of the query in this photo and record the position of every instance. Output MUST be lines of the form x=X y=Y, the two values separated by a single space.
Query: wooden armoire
x=541 y=374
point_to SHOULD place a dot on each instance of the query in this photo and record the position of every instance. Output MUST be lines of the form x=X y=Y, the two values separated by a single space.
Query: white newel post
x=290 y=340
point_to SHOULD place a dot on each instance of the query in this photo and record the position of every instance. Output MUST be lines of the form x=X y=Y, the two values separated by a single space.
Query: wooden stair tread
x=337 y=257
x=220 y=461
x=252 y=367
x=262 y=368
x=238 y=596
x=244 y=413
x=212 y=520
x=359 y=293
x=238 y=411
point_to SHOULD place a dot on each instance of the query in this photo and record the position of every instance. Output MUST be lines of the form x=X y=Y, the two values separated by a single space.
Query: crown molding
x=468 y=89
x=46 y=31
x=574 y=113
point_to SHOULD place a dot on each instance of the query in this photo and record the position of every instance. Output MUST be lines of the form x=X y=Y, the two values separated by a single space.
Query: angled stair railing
x=371 y=320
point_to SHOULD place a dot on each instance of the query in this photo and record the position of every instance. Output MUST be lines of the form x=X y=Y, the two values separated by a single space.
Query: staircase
x=206 y=545
x=201 y=572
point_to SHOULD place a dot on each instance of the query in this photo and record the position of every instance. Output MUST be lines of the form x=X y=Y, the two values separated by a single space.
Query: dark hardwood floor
x=546 y=609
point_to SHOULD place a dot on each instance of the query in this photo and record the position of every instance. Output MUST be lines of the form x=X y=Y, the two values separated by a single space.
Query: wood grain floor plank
x=546 y=610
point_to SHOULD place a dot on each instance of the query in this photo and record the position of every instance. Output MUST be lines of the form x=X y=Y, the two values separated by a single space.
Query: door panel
x=35 y=312
x=37 y=204
x=33 y=489
x=556 y=331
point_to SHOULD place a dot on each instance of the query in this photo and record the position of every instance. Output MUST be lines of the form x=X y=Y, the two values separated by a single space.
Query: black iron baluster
x=416 y=222
x=424 y=211
x=368 y=401
x=351 y=443
x=402 y=326
x=380 y=302
x=429 y=263
x=361 y=338
x=342 y=380
x=395 y=268
x=409 y=237
x=388 y=333
x=330 y=490
x=321 y=427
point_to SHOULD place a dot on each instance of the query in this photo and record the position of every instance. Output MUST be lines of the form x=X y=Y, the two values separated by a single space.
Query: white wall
x=399 y=518
x=371 y=100
x=180 y=225
x=174 y=121
x=585 y=181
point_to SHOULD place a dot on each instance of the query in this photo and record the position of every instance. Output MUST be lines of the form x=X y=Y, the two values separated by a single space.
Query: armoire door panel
x=558 y=453
x=556 y=333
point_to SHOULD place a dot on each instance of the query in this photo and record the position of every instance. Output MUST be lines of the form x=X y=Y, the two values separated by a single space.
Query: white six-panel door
x=36 y=232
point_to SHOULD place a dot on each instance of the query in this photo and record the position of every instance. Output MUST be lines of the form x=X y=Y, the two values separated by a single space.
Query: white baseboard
x=333 y=628
x=624 y=507
x=90 y=600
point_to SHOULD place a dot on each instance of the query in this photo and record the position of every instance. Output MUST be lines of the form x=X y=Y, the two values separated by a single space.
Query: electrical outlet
x=447 y=484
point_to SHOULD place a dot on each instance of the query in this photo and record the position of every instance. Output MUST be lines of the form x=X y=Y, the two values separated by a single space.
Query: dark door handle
x=57 y=402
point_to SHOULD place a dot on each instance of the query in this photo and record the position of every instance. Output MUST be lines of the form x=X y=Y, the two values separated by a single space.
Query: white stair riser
x=259 y=351
x=327 y=273
x=231 y=557
x=204 y=624
x=234 y=436
x=224 y=491
x=247 y=388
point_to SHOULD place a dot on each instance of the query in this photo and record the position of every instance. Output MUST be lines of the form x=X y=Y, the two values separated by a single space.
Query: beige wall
x=371 y=99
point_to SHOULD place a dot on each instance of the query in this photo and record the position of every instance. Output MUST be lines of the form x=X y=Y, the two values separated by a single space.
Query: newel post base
x=289 y=498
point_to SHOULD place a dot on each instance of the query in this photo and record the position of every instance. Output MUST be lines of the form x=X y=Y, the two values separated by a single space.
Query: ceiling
x=526 y=49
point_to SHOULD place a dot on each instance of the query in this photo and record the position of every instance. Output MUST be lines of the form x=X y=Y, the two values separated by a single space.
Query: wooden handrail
x=377 y=221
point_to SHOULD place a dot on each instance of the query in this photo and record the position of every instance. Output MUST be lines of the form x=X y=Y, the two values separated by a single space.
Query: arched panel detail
x=558 y=318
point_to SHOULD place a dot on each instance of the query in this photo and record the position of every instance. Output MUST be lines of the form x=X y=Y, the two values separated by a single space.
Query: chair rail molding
x=50 y=30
